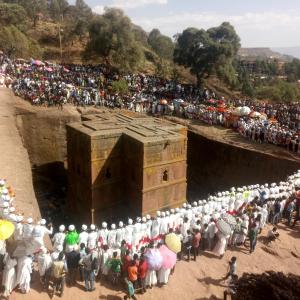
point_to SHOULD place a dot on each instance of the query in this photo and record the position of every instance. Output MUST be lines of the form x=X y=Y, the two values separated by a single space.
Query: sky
x=259 y=23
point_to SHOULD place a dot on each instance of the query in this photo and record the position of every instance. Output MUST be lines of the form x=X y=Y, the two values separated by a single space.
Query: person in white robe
x=106 y=255
x=18 y=233
x=92 y=238
x=156 y=226
x=55 y=253
x=59 y=237
x=44 y=264
x=128 y=233
x=220 y=247
x=136 y=234
x=9 y=277
x=163 y=230
x=163 y=276
x=111 y=238
x=120 y=234
x=102 y=235
x=149 y=227
x=38 y=234
x=24 y=273
x=83 y=236
x=241 y=238
x=27 y=230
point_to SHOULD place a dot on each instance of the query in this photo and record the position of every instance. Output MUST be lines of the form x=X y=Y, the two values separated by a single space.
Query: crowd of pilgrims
x=140 y=253
x=55 y=85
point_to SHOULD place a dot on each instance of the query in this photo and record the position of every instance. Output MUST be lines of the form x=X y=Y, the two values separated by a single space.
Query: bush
x=16 y=42
x=280 y=91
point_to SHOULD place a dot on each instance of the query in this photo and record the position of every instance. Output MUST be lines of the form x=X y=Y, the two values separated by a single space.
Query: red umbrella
x=210 y=108
x=221 y=109
x=211 y=101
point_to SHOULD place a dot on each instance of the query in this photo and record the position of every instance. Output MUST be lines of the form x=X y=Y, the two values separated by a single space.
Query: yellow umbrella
x=173 y=242
x=6 y=229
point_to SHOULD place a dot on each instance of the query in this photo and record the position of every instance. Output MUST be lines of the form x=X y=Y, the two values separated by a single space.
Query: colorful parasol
x=6 y=229
x=169 y=257
x=223 y=227
x=72 y=238
x=173 y=242
x=229 y=219
x=154 y=259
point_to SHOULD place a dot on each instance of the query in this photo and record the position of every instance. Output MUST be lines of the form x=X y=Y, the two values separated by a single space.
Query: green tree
x=112 y=38
x=58 y=9
x=208 y=52
x=161 y=44
x=120 y=87
x=34 y=9
x=13 y=14
x=12 y=40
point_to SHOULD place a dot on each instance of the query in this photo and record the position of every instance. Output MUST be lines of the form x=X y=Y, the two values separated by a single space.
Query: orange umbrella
x=163 y=101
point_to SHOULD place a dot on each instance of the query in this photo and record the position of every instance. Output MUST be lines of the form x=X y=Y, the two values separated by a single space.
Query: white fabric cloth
x=92 y=240
x=151 y=278
x=44 y=263
x=24 y=273
x=163 y=275
x=58 y=239
x=9 y=278
x=83 y=238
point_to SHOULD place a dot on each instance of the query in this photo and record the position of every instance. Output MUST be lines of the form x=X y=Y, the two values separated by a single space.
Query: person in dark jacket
x=72 y=258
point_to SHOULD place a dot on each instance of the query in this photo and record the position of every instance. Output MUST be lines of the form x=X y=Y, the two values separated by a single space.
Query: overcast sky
x=259 y=23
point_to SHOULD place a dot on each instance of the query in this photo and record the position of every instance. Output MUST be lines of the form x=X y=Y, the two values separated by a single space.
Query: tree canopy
x=112 y=37
x=208 y=52
x=161 y=44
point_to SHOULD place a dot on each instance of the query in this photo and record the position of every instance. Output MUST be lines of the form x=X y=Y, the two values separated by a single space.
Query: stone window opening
x=165 y=176
x=107 y=173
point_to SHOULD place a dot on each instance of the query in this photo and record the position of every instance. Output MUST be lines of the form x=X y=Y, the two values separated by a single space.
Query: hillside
x=264 y=53
x=292 y=51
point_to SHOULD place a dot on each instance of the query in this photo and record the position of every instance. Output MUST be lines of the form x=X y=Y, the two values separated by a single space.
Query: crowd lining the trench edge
x=48 y=84
x=140 y=253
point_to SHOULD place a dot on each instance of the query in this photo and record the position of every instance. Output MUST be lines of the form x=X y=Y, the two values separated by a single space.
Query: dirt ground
x=202 y=279
x=14 y=162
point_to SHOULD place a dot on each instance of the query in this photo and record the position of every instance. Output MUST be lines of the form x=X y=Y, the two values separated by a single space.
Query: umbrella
x=66 y=70
x=211 y=101
x=72 y=238
x=229 y=219
x=49 y=69
x=178 y=100
x=221 y=109
x=169 y=257
x=6 y=229
x=223 y=227
x=245 y=111
x=38 y=63
x=210 y=108
x=154 y=259
x=237 y=111
x=255 y=114
x=163 y=101
x=173 y=242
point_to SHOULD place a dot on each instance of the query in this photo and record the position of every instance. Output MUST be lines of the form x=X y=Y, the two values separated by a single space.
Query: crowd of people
x=44 y=83
x=141 y=253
